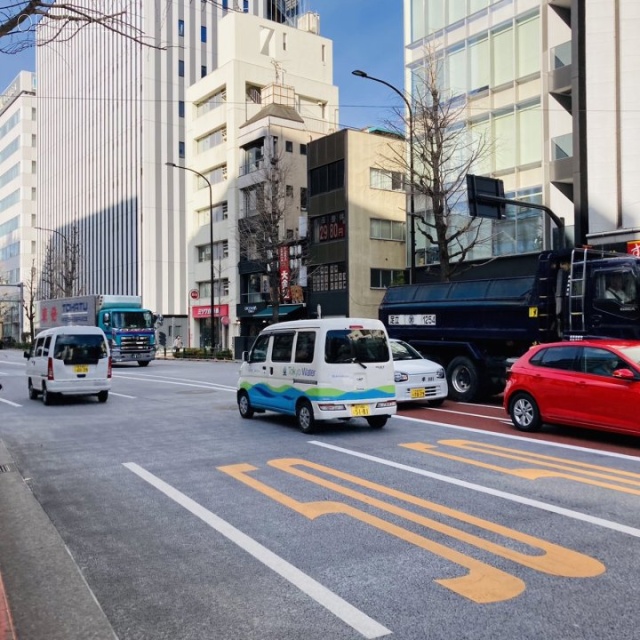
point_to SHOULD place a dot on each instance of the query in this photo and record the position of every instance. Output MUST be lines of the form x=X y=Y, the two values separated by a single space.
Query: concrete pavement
x=43 y=595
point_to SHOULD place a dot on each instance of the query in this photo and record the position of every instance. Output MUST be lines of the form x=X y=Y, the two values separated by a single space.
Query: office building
x=17 y=201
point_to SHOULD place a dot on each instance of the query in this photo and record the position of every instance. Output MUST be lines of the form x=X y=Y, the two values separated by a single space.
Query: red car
x=591 y=383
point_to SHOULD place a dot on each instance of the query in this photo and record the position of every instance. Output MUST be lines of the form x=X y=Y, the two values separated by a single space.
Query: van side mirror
x=245 y=356
x=27 y=354
x=106 y=318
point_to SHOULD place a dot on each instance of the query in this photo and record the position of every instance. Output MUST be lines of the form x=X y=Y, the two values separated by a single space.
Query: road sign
x=194 y=294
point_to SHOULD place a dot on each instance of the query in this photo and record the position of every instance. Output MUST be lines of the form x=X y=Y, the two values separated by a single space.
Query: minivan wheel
x=524 y=412
x=47 y=397
x=103 y=396
x=377 y=422
x=33 y=394
x=304 y=414
x=143 y=363
x=244 y=405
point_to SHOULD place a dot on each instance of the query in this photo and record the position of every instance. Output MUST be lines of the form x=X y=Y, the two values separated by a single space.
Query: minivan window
x=305 y=346
x=80 y=349
x=356 y=345
x=47 y=343
x=38 y=347
x=259 y=349
x=282 y=347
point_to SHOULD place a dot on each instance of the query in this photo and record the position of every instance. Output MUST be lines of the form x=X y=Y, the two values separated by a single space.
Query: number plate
x=360 y=410
x=81 y=368
x=417 y=393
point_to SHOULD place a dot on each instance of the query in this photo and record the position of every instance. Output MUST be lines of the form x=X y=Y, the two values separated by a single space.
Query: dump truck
x=476 y=328
x=128 y=326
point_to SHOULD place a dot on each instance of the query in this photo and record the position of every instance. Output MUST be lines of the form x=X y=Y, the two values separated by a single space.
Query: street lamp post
x=412 y=223
x=68 y=286
x=211 y=274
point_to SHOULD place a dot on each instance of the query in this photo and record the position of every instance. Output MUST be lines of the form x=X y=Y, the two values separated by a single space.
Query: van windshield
x=80 y=349
x=356 y=345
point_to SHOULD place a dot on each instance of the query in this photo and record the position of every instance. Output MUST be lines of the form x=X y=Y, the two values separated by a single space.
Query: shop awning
x=284 y=310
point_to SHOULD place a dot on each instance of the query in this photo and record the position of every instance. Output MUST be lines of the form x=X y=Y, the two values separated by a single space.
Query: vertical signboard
x=285 y=273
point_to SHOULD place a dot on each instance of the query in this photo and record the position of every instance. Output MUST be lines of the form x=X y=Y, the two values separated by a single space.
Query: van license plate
x=360 y=410
x=417 y=393
x=81 y=368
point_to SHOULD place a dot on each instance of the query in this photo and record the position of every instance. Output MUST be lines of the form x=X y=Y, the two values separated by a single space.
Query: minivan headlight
x=398 y=376
x=440 y=373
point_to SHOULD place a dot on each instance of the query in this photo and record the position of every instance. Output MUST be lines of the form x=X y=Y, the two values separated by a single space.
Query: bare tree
x=262 y=231
x=29 y=296
x=61 y=267
x=19 y=20
x=445 y=150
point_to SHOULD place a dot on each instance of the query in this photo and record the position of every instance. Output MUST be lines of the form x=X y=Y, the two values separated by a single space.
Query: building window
x=303 y=149
x=330 y=277
x=388 y=180
x=303 y=198
x=245 y=6
x=215 y=176
x=203 y=34
x=181 y=150
x=289 y=191
x=220 y=213
x=181 y=68
x=288 y=146
x=327 y=178
x=383 y=278
x=181 y=28
x=181 y=109
x=204 y=253
x=213 y=102
x=203 y=71
x=388 y=230
x=284 y=41
x=212 y=140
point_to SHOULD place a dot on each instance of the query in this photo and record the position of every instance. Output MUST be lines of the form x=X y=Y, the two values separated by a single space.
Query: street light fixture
x=412 y=223
x=212 y=306
x=68 y=286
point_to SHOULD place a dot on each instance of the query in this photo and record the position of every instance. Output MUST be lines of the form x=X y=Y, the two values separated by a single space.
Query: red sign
x=219 y=310
x=285 y=273
x=194 y=294
x=633 y=247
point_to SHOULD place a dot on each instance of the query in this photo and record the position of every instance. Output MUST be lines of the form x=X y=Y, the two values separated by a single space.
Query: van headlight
x=398 y=376
x=440 y=373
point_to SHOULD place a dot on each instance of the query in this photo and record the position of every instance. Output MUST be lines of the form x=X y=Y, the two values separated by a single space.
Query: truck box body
x=129 y=328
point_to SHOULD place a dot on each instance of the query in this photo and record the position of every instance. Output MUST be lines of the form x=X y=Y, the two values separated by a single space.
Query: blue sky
x=366 y=34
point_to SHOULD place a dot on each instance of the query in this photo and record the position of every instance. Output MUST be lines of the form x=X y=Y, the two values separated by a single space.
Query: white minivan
x=320 y=370
x=70 y=360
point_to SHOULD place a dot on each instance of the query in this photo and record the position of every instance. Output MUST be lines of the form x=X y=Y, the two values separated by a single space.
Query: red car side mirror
x=625 y=374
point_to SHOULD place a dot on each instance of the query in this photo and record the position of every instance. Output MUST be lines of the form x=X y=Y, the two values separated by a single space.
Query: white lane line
x=13 y=404
x=181 y=382
x=121 y=395
x=473 y=415
x=537 y=504
x=546 y=443
x=355 y=618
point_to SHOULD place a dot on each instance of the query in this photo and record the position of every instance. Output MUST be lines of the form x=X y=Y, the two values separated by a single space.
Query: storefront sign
x=633 y=247
x=219 y=310
x=285 y=273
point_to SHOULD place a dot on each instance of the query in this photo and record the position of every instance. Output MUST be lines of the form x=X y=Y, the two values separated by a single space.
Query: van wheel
x=304 y=414
x=377 y=422
x=143 y=363
x=103 y=396
x=47 y=397
x=464 y=380
x=244 y=405
x=33 y=394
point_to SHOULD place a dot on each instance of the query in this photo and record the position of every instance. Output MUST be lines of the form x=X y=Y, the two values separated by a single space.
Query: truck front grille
x=134 y=343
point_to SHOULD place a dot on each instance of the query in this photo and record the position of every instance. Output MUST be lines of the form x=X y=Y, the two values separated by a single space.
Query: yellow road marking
x=482 y=584
x=594 y=475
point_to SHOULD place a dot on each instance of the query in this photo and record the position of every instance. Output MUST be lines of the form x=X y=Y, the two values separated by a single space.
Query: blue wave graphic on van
x=291 y=394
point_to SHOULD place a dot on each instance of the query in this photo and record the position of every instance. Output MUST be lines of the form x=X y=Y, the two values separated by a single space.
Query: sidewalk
x=43 y=595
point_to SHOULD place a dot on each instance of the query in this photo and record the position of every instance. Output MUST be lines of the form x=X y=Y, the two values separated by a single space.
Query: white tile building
x=272 y=81
x=17 y=198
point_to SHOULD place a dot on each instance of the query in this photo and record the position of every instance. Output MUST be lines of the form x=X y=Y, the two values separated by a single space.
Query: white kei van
x=320 y=370
x=69 y=360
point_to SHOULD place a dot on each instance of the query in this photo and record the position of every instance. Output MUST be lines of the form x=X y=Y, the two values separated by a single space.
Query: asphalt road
x=189 y=523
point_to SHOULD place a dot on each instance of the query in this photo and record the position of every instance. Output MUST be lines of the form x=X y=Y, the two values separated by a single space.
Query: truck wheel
x=244 y=405
x=143 y=363
x=524 y=412
x=377 y=422
x=464 y=380
x=304 y=414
